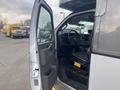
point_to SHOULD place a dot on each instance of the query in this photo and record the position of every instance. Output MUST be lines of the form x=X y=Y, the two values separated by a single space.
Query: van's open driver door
x=43 y=64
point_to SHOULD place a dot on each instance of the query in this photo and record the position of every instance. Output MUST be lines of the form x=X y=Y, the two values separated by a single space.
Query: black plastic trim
x=103 y=54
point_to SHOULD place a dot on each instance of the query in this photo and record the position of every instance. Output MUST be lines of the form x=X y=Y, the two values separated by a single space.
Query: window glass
x=83 y=27
x=83 y=24
x=109 y=31
x=44 y=29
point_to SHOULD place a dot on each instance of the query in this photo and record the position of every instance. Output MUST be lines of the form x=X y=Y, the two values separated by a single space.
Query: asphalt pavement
x=14 y=63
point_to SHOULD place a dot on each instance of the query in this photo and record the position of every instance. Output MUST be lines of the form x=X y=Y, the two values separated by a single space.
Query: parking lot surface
x=14 y=64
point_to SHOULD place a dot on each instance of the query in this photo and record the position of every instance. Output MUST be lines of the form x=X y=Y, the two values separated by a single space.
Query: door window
x=44 y=28
x=108 y=42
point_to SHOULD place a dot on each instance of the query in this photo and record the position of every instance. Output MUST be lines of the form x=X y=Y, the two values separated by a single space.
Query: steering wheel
x=74 y=37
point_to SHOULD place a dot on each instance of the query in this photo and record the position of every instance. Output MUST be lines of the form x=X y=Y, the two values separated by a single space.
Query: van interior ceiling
x=74 y=39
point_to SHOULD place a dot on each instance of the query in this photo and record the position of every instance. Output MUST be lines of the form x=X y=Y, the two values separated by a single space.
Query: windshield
x=84 y=27
x=83 y=24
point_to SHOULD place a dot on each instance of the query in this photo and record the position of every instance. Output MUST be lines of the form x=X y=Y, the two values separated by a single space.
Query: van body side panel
x=105 y=64
x=104 y=73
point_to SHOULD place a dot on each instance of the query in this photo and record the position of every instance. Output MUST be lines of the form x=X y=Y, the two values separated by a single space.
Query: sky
x=16 y=11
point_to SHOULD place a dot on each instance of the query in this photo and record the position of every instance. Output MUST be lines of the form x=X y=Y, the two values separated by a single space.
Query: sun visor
x=78 y=5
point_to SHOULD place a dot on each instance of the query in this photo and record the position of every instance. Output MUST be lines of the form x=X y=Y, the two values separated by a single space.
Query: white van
x=82 y=53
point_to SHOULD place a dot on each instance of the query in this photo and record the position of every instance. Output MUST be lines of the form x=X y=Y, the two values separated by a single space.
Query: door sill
x=60 y=85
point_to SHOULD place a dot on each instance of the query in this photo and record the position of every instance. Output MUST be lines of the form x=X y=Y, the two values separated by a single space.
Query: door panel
x=46 y=47
x=48 y=65
x=43 y=43
x=104 y=73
